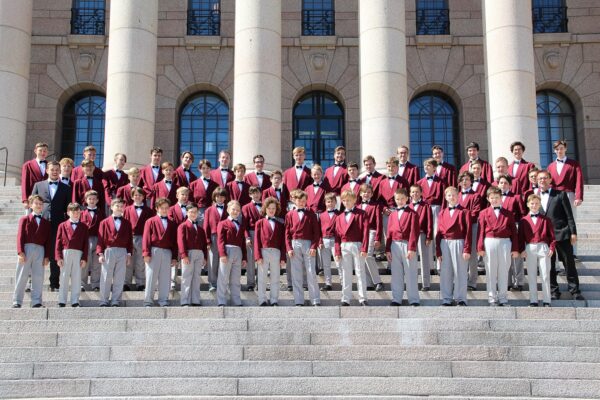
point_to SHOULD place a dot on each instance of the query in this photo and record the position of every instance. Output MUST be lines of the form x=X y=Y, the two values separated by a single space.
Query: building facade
x=263 y=76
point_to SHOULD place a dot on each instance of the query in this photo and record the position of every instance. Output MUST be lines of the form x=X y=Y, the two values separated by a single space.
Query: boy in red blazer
x=327 y=241
x=115 y=245
x=425 y=245
x=183 y=174
x=298 y=176
x=152 y=173
x=251 y=213
x=453 y=249
x=269 y=251
x=137 y=214
x=519 y=169
x=353 y=182
x=191 y=241
x=33 y=171
x=238 y=189
x=258 y=177
x=373 y=210
x=445 y=170
x=213 y=215
x=88 y=182
x=115 y=178
x=89 y=154
x=201 y=189
x=497 y=241
x=317 y=190
x=66 y=168
x=231 y=241
x=279 y=191
x=470 y=201
x=432 y=188
x=532 y=188
x=371 y=176
x=92 y=216
x=33 y=249
x=401 y=248
x=124 y=192
x=302 y=236
x=486 y=169
x=336 y=176
x=407 y=170
x=223 y=175
x=71 y=254
x=537 y=241
x=388 y=187
x=480 y=185
x=178 y=211
x=167 y=188
x=159 y=247
x=351 y=245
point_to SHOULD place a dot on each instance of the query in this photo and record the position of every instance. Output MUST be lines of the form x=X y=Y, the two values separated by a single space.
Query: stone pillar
x=131 y=81
x=15 y=58
x=383 y=86
x=510 y=78
x=257 y=82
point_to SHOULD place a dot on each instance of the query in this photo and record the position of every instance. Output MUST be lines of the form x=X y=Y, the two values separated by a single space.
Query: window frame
x=89 y=27
x=326 y=16
x=545 y=144
x=428 y=16
x=197 y=17
x=542 y=20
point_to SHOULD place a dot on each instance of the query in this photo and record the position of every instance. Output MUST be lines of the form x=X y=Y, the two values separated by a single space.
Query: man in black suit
x=557 y=207
x=57 y=197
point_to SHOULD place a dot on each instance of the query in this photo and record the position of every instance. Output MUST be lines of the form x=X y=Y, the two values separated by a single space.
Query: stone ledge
x=87 y=40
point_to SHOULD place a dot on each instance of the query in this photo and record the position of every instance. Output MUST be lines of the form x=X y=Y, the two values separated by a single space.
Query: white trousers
x=70 y=273
x=302 y=261
x=453 y=271
x=537 y=259
x=426 y=255
x=158 y=274
x=191 y=277
x=33 y=265
x=92 y=268
x=351 y=259
x=137 y=267
x=325 y=254
x=404 y=271
x=497 y=262
x=373 y=277
x=228 y=281
x=270 y=264
x=113 y=275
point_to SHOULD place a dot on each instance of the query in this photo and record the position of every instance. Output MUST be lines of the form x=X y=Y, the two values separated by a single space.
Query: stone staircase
x=310 y=352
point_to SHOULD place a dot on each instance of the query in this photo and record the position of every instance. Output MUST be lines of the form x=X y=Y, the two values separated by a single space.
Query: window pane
x=556 y=121
x=433 y=17
x=318 y=18
x=83 y=125
x=204 y=17
x=549 y=16
x=87 y=17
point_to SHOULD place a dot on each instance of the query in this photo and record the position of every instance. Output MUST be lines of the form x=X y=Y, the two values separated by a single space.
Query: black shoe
x=433 y=272
x=578 y=296
x=27 y=290
x=264 y=304
x=82 y=289
x=115 y=305
x=364 y=303
x=274 y=305
x=462 y=304
x=250 y=288
x=16 y=306
x=221 y=305
x=415 y=304
x=185 y=305
x=555 y=296
x=446 y=304
x=141 y=288
x=290 y=288
x=96 y=289
x=471 y=288
x=196 y=305
x=62 y=305
x=299 y=305
x=75 y=305
x=53 y=289
x=502 y=304
x=103 y=305
x=395 y=304
x=379 y=287
x=547 y=305
x=317 y=305
x=425 y=289
x=326 y=287
x=126 y=288
x=38 y=305
x=533 y=304
x=345 y=304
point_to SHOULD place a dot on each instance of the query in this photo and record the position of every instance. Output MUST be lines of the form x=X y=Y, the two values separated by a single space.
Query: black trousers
x=564 y=248
x=54 y=274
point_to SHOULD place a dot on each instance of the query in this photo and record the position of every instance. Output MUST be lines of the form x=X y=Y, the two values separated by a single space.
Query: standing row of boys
x=226 y=220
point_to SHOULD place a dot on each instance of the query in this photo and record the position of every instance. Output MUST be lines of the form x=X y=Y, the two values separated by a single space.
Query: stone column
x=131 y=80
x=257 y=82
x=510 y=78
x=383 y=86
x=15 y=58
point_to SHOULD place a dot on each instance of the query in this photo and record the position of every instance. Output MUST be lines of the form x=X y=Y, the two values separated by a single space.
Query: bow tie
x=139 y=207
x=545 y=191
x=299 y=167
x=92 y=209
x=43 y=162
x=353 y=180
x=272 y=219
x=164 y=218
x=430 y=178
x=278 y=190
x=235 y=221
x=401 y=208
x=168 y=182
x=224 y=169
x=559 y=160
x=392 y=177
x=348 y=212
x=37 y=216
x=466 y=192
x=183 y=206
x=535 y=215
x=65 y=179
x=364 y=202
x=89 y=177
x=260 y=173
x=339 y=164
x=74 y=223
x=497 y=208
x=195 y=223
x=452 y=208
x=221 y=207
x=517 y=162
x=53 y=183
x=155 y=166
x=316 y=184
x=117 y=218
x=119 y=171
x=476 y=180
x=370 y=175
x=258 y=204
x=186 y=170
x=401 y=165
x=206 y=179
x=505 y=194
x=416 y=203
x=301 y=210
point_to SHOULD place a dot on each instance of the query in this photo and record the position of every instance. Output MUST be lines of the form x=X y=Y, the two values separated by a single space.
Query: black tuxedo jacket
x=559 y=211
x=55 y=209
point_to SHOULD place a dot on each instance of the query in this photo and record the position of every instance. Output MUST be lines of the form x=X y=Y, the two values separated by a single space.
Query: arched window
x=549 y=16
x=433 y=17
x=83 y=125
x=556 y=121
x=318 y=127
x=88 y=17
x=433 y=121
x=204 y=18
x=204 y=126
x=318 y=18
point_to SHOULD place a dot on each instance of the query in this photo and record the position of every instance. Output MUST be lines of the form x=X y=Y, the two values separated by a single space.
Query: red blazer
x=305 y=229
x=176 y=214
x=284 y=198
x=30 y=232
x=373 y=210
x=486 y=169
x=215 y=175
x=356 y=189
x=30 y=175
x=77 y=173
x=160 y=190
x=155 y=235
x=92 y=223
x=253 y=180
x=448 y=174
x=228 y=234
x=355 y=230
x=434 y=195
x=67 y=239
x=82 y=185
x=265 y=237
x=374 y=181
x=181 y=179
x=515 y=205
x=482 y=192
x=124 y=192
x=138 y=223
x=411 y=173
x=425 y=218
x=243 y=196
x=455 y=227
x=190 y=238
x=250 y=215
x=147 y=178
x=520 y=182
x=112 y=183
x=200 y=195
x=109 y=237
x=542 y=232
x=502 y=227
x=336 y=183
x=406 y=229
x=471 y=203
x=316 y=201
x=212 y=219
x=570 y=178
x=291 y=181
x=386 y=194
x=327 y=224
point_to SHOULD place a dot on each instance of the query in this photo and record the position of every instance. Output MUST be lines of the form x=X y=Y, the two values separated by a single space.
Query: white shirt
x=187 y=175
x=168 y=185
x=429 y=181
x=90 y=182
x=118 y=174
x=335 y=170
x=438 y=169
x=224 y=173
x=416 y=206
x=515 y=167
x=164 y=222
x=258 y=207
x=464 y=195
x=400 y=212
x=401 y=169
x=52 y=189
x=74 y=224
x=545 y=197
x=497 y=212
x=138 y=211
x=278 y=194
x=183 y=210
x=475 y=186
x=155 y=172
x=300 y=215
x=534 y=219
x=42 y=166
x=237 y=225
x=117 y=224
x=560 y=165
x=92 y=211
x=298 y=172
x=316 y=188
x=352 y=185
x=220 y=210
x=259 y=179
x=66 y=180
x=392 y=179
x=272 y=223
x=348 y=215
x=205 y=183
